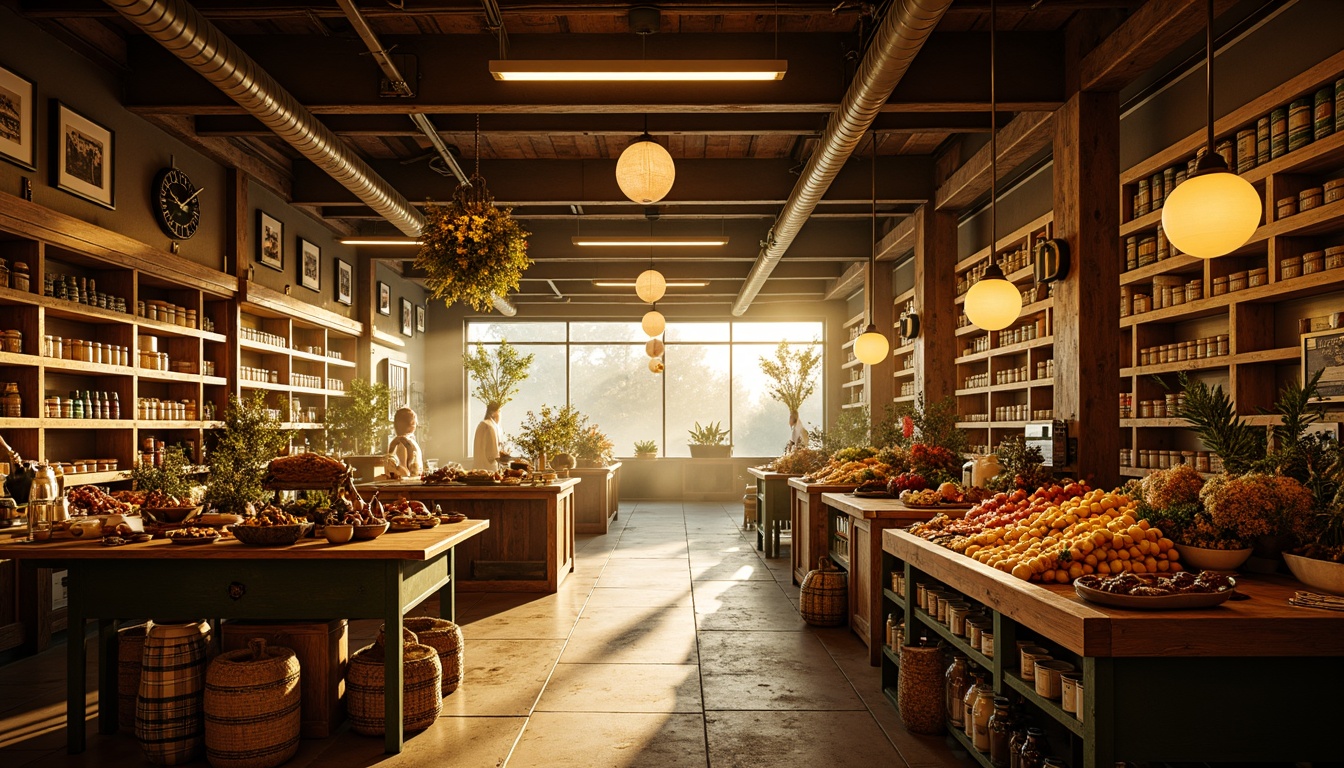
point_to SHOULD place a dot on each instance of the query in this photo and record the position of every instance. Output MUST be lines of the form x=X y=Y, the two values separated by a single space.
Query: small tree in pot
x=793 y=376
x=547 y=433
x=592 y=447
x=710 y=441
x=358 y=426
x=240 y=449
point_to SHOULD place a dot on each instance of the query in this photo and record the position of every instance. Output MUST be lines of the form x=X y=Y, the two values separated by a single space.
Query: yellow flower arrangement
x=470 y=250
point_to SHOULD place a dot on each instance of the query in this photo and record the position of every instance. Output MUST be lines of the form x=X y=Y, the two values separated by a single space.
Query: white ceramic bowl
x=1212 y=559
x=1317 y=574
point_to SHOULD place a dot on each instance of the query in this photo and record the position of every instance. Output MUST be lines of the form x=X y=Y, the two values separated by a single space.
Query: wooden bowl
x=172 y=514
x=269 y=535
x=339 y=534
x=366 y=532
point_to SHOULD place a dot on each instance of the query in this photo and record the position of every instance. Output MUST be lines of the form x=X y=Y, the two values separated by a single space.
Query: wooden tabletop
x=414 y=489
x=767 y=475
x=887 y=509
x=1264 y=625
x=423 y=544
x=797 y=482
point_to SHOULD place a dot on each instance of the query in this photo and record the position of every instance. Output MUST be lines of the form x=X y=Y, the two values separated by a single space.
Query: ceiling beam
x=268 y=168
x=1145 y=38
x=899 y=240
x=1025 y=136
x=841 y=287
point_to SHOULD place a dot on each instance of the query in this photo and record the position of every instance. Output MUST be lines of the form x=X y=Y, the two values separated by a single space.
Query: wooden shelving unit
x=854 y=389
x=1006 y=375
x=1263 y=321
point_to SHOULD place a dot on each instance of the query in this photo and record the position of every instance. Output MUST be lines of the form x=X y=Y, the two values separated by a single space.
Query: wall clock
x=177 y=203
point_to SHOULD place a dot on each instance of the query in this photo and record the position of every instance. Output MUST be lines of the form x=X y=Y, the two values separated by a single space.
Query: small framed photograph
x=345 y=283
x=18 y=120
x=407 y=329
x=419 y=318
x=1324 y=351
x=310 y=265
x=384 y=299
x=84 y=156
x=270 y=241
x=399 y=381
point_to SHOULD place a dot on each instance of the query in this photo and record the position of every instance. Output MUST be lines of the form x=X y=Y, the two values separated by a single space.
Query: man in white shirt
x=485 y=448
x=797 y=435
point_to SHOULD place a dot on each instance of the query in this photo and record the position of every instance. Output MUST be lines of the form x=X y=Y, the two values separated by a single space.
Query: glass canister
x=1000 y=732
x=977 y=681
x=958 y=679
x=1034 y=749
x=1015 y=742
x=980 y=714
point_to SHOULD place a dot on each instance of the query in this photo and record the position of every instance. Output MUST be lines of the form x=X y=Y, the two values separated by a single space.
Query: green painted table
x=379 y=579
x=772 y=508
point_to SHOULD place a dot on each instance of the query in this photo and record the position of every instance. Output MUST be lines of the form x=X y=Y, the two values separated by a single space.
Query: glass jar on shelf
x=1001 y=723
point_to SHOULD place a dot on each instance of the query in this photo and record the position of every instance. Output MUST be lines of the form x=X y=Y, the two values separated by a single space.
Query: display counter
x=530 y=544
x=808 y=518
x=1251 y=680
x=597 y=500
x=772 y=508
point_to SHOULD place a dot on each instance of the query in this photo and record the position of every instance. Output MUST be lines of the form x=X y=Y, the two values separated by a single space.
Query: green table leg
x=1099 y=715
x=75 y=672
x=448 y=592
x=107 y=676
x=393 y=686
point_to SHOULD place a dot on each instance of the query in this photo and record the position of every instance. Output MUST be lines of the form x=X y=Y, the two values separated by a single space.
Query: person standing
x=797 y=435
x=403 y=453
x=485 y=448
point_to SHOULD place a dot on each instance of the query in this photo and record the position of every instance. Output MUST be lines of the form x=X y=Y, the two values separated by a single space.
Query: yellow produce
x=1094 y=533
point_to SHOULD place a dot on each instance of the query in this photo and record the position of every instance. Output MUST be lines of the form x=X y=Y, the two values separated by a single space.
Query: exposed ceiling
x=549 y=150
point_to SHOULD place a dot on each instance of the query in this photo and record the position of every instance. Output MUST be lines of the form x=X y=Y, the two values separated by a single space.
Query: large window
x=713 y=374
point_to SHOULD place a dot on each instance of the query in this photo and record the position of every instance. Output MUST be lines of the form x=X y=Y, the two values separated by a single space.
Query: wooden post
x=935 y=289
x=1087 y=312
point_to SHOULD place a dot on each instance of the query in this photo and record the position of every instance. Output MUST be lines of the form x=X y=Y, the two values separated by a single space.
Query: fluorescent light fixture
x=667 y=242
x=379 y=241
x=636 y=70
x=631 y=283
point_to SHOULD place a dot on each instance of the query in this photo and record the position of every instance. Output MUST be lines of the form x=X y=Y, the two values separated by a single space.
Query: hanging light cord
x=872 y=254
x=994 y=139
x=1208 y=72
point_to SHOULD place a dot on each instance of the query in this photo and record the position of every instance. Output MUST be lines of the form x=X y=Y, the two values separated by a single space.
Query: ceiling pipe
x=894 y=45
x=178 y=27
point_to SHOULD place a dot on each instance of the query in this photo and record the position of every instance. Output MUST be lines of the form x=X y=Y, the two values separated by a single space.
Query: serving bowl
x=1317 y=574
x=270 y=535
x=339 y=534
x=366 y=532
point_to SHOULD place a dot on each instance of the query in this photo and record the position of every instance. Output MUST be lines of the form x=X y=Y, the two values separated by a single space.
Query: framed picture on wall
x=1324 y=351
x=419 y=318
x=83 y=156
x=270 y=241
x=384 y=299
x=345 y=283
x=398 y=376
x=18 y=120
x=310 y=265
x=406 y=326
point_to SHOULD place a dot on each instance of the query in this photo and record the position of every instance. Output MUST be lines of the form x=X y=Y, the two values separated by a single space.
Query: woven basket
x=920 y=690
x=422 y=696
x=130 y=650
x=270 y=535
x=443 y=636
x=824 y=595
x=252 y=713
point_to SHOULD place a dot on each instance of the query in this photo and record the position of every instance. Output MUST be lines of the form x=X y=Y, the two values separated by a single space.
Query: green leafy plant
x=710 y=434
x=850 y=430
x=593 y=445
x=249 y=438
x=1020 y=466
x=936 y=424
x=497 y=375
x=549 y=431
x=1210 y=412
x=358 y=423
x=170 y=478
x=646 y=446
x=472 y=251
x=792 y=374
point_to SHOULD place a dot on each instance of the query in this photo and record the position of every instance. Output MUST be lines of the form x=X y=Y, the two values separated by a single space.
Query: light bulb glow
x=654 y=348
x=993 y=303
x=871 y=348
x=650 y=285
x=645 y=171
x=1211 y=214
x=653 y=323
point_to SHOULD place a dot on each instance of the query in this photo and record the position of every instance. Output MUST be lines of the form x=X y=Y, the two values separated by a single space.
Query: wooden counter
x=379 y=579
x=868 y=519
x=1252 y=680
x=772 y=508
x=530 y=544
x=808 y=517
x=597 y=500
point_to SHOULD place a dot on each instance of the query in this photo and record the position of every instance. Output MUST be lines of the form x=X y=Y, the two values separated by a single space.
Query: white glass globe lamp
x=993 y=303
x=645 y=171
x=650 y=285
x=653 y=323
x=1213 y=212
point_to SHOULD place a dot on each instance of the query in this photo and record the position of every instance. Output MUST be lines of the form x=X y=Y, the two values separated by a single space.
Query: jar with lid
x=980 y=713
x=13 y=401
x=18 y=277
x=977 y=681
x=1001 y=723
x=958 y=678
x=1034 y=749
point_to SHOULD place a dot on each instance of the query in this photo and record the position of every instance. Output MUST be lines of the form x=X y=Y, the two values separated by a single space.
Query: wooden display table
x=379 y=579
x=862 y=557
x=597 y=500
x=1248 y=681
x=809 y=520
x=772 y=508
x=530 y=544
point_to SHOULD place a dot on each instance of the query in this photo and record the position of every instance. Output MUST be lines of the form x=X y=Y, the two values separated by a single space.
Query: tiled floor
x=672 y=644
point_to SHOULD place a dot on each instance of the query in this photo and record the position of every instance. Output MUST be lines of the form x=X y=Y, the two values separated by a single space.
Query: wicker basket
x=443 y=636
x=130 y=650
x=920 y=691
x=252 y=707
x=824 y=595
x=422 y=696
x=270 y=535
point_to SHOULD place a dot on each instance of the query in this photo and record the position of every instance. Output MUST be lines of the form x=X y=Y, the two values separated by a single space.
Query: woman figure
x=403 y=452
x=797 y=435
x=485 y=448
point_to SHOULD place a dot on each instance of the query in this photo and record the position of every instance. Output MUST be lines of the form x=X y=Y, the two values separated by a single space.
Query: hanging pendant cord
x=1208 y=71
x=994 y=137
x=872 y=254
x=476 y=149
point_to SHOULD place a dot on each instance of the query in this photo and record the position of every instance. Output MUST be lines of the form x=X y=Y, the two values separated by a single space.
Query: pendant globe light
x=1214 y=211
x=993 y=303
x=871 y=347
x=650 y=285
x=645 y=171
x=653 y=323
x=654 y=348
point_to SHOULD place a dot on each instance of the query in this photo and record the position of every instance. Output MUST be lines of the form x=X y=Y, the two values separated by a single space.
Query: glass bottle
x=957 y=680
x=1000 y=732
x=891 y=622
x=1034 y=749
x=77 y=405
x=980 y=713
x=968 y=704
x=1015 y=743
x=115 y=407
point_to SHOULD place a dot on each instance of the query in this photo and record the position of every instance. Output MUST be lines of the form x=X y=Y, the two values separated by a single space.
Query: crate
x=323 y=649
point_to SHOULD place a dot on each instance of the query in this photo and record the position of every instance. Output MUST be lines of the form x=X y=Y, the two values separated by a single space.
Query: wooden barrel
x=168 y=714
x=252 y=707
x=422 y=693
x=824 y=595
x=443 y=636
x=130 y=649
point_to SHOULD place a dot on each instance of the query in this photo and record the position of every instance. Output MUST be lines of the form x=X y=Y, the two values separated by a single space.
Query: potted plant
x=646 y=449
x=498 y=374
x=358 y=426
x=593 y=448
x=710 y=441
x=171 y=478
x=249 y=437
x=547 y=432
x=792 y=375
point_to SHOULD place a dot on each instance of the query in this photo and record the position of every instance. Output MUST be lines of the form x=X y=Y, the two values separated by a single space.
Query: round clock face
x=177 y=203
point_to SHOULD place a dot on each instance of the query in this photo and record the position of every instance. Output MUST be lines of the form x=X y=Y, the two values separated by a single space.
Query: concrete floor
x=672 y=644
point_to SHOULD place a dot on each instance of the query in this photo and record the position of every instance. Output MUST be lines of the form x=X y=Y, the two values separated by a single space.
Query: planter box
x=711 y=451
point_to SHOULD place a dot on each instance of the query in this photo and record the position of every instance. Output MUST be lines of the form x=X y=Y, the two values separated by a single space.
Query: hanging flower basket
x=472 y=251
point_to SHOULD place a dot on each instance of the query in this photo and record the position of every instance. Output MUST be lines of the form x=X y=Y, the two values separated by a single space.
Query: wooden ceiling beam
x=1141 y=41
x=1025 y=136
x=899 y=240
x=843 y=286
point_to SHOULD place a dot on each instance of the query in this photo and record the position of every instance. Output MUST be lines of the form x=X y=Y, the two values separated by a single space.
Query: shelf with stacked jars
x=1238 y=321
x=904 y=351
x=855 y=374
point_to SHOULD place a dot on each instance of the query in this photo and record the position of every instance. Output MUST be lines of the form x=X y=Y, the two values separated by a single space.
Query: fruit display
x=921 y=498
x=851 y=472
x=995 y=512
x=872 y=488
x=92 y=500
x=306 y=469
x=448 y=473
x=797 y=462
x=906 y=481
x=409 y=514
x=193 y=532
x=160 y=500
x=1183 y=583
x=271 y=516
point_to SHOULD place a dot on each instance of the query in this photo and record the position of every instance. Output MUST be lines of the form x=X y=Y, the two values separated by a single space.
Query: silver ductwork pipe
x=898 y=38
